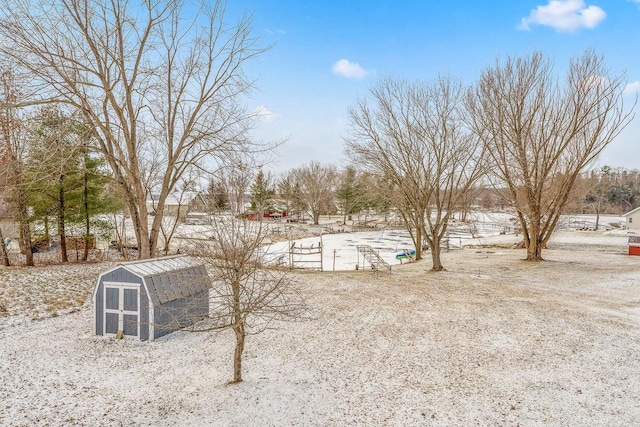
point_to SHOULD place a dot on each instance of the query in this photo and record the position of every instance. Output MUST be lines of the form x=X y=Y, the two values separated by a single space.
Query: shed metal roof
x=170 y=278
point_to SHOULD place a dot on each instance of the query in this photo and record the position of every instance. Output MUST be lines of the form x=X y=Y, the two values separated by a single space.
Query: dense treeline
x=612 y=190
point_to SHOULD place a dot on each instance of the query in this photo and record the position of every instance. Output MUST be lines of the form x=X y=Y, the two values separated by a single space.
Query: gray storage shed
x=151 y=298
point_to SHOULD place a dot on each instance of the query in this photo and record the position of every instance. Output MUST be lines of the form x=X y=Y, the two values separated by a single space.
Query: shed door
x=122 y=309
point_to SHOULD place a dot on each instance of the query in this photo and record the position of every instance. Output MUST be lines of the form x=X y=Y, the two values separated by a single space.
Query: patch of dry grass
x=45 y=291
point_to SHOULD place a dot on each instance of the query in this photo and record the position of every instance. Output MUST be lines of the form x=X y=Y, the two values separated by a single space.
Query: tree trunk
x=534 y=244
x=141 y=229
x=154 y=233
x=47 y=236
x=25 y=236
x=237 y=355
x=435 y=255
x=136 y=203
x=597 y=219
x=534 y=251
x=418 y=244
x=238 y=329
x=166 y=245
x=5 y=254
x=143 y=238
x=156 y=225
x=61 y=230
x=87 y=229
x=25 y=228
x=532 y=238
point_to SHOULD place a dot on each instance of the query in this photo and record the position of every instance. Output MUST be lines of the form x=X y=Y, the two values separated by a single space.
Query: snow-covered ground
x=340 y=249
x=491 y=341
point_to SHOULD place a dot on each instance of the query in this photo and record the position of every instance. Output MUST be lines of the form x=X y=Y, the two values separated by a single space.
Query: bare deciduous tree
x=540 y=134
x=414 y=137
x=247 y=295
x=236 y=178
x=316 y=184
x=160 y=82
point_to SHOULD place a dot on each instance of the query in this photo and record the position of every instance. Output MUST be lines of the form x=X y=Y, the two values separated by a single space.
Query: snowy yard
x=491 y=341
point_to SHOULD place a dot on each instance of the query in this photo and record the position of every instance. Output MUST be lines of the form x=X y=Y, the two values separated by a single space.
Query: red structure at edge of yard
x=253 y=216
x=634 y=245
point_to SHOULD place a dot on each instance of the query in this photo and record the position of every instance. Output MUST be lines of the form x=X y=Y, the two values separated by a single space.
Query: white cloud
x=351 y=70
x=632 y=88
x=564 y=15
x=264 y=114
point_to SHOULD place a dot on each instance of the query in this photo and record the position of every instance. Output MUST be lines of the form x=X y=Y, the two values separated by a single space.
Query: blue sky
x=329 y=53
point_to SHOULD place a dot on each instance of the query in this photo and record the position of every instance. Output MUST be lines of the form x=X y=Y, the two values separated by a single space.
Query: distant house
x=633 y=219
x=174 y=204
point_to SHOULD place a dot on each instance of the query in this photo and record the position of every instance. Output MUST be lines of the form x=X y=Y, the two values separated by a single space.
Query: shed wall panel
x=99 y=308
x=180 y=313
x=121 y=275
x=144 y=314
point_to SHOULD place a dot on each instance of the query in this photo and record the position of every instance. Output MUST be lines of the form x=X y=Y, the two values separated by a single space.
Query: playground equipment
x=302 y=256
x=299 y=256
x=377 y=263
x=406 y=254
